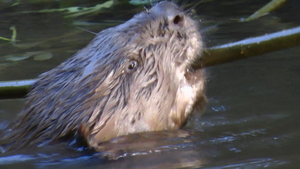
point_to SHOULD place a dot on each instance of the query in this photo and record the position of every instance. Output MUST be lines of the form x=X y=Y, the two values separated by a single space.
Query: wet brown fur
x=131 y=78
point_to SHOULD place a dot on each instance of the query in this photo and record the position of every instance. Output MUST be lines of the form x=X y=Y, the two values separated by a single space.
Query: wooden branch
x=249 y=47
x=15 y=89
x=211 y=56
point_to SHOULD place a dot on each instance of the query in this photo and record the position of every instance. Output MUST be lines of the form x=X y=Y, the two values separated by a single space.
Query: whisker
x=85 y=30
x=194 y=6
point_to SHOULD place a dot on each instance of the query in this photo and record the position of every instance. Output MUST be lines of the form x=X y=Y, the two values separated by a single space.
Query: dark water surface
x=252 y=119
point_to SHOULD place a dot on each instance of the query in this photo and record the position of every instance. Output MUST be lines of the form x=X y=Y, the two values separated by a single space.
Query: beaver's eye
x=132 y=65
x=190 y=70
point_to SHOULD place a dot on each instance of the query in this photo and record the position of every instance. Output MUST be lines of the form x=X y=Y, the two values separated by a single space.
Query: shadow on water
x=251 y=120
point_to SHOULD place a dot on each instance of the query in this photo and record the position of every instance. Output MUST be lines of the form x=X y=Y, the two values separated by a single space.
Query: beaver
x=135 y=77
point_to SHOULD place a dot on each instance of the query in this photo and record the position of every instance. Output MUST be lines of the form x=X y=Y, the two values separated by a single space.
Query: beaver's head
x=145 y=81
x=131 y=78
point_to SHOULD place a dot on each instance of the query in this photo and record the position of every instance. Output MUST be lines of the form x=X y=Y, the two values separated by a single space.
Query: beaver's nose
x=170 y=10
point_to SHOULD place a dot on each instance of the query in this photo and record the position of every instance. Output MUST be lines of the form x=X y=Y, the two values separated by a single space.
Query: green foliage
x=76 y=11
x=274 y=4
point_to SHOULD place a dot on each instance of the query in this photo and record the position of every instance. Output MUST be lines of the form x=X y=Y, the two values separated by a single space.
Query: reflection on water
x=251 y=120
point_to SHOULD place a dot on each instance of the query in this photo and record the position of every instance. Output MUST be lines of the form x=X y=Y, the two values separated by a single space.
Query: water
x=251 y=120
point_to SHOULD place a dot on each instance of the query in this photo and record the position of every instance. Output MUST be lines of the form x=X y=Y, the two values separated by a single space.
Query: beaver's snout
x=169 y=10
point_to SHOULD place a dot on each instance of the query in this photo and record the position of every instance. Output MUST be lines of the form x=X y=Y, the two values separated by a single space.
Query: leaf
x=141 y=2
x=39 y=55
x=6 y=39
x=94 y=9
x=84 y=23
x=17 y=57
x=76 y=11
x=43 y=56
x=14 y=33
x=265 y=10
x=26 y=45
